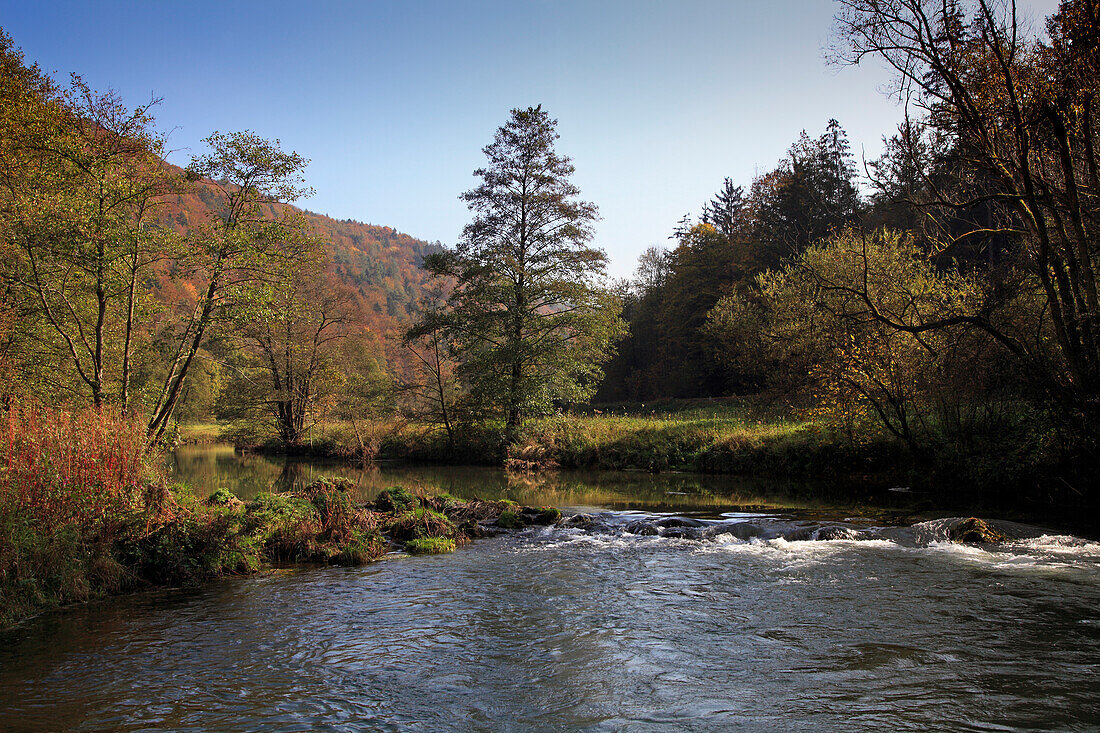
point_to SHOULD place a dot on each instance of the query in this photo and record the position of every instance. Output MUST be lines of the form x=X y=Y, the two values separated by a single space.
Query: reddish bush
x=60 y=467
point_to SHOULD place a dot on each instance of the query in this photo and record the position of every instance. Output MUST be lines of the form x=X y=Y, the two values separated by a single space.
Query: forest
x=934 y=308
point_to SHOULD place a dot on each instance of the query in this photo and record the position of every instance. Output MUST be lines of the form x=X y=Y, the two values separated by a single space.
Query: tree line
x=106 y=302
x=948 y=299
x=953 y=300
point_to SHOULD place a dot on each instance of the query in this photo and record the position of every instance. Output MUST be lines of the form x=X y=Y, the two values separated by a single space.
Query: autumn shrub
x=70 y=482
x=286 y=526
x=78 y=468
x=85 y=511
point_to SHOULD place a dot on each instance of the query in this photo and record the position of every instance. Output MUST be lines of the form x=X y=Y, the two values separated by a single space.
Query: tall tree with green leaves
x=248 y=245
x=1023 y=117
x=80 y=178
x=528 y=313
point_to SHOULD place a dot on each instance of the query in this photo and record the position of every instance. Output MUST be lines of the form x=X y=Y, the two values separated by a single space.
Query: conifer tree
x=529 y=316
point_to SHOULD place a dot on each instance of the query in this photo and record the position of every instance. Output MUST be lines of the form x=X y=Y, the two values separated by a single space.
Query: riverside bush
x=85 y=511
x=72 y=468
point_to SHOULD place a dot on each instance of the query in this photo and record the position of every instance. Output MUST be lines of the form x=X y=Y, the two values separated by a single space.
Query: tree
x=811 y=193
x=725 y=211
x=528 y=314
x=1022 y=116
x=81 y=178
x=294 y=330
x=432 y=382
x=826 y=324
x=242 y=245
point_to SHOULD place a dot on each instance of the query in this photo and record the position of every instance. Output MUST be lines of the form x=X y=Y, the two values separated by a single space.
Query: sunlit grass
x=711 y=436
x=203 y=433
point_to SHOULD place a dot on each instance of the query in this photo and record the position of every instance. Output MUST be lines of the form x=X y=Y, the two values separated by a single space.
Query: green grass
x=712 y=438
x=705 y=436
x=509 y=519
x=421 y=523
x=430 y=546
x=205 y=433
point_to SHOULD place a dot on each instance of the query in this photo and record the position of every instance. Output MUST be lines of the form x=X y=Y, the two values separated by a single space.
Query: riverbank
x=698 y=436
x=175 y=539
x=86 y=512
x=739 y=437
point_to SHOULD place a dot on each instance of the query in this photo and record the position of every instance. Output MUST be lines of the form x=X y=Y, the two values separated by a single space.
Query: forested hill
x=379 y=262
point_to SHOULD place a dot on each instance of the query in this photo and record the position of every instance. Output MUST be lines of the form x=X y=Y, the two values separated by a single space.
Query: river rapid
x=700 y=616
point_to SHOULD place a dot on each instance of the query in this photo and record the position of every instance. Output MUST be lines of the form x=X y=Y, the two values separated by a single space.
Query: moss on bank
x=177 y=539
x=430 y=546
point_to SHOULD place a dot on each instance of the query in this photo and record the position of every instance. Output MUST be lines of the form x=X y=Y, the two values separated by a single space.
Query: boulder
x=974 y=530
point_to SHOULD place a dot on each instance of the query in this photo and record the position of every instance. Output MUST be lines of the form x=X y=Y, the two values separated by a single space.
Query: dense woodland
x=943 y=296
x=944 y=293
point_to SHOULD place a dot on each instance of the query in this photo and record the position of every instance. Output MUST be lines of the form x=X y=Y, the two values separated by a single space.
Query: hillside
x=380 y=263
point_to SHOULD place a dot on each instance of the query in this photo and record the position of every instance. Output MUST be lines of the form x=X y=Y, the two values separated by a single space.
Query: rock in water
x=973 y=529
x=642 y=527
x=583 y=521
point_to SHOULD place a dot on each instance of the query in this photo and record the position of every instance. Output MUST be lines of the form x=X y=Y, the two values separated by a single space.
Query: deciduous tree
x=239 y=247
x=1022 y=116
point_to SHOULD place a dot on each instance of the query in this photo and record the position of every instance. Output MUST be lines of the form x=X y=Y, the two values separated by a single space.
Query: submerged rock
x=802 y=534
x=667 y=522
x=740 y=530
x=682 y=533
x=642 y=527
x=835 y=533
x=581 y=521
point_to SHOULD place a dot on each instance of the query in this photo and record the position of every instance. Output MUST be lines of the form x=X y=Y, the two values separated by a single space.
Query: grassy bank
x=745 y=437
x=85 y=512
x=702 y=436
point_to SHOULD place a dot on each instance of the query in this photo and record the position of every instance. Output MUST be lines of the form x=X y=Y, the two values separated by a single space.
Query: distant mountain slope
x=380 y=263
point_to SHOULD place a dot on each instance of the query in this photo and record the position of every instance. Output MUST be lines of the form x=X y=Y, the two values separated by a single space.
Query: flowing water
x=680 y=603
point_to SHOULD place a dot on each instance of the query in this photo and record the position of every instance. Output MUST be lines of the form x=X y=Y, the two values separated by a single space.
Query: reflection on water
x=206 y=468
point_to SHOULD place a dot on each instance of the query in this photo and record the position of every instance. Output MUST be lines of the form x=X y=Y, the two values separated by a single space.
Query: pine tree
x=528 y=315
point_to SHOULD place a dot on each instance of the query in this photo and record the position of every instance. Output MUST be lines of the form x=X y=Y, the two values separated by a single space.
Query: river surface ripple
x=567 y=629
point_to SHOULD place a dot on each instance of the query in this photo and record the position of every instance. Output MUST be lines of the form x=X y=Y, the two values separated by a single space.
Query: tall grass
x=71 y=483
x=85 y=512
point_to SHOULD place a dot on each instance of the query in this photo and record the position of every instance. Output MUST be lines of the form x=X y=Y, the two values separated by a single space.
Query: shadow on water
x=208 y=467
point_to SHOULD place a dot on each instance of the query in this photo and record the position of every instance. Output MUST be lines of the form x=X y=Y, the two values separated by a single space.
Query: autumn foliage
x=64 y=467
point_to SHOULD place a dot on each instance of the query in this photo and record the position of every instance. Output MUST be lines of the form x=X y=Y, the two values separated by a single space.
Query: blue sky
x=393 y=100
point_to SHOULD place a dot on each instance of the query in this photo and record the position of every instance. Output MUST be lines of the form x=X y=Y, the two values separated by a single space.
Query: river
x=883 y=627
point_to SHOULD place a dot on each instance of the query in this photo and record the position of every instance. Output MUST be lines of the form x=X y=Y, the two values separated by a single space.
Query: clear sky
x=392 y=100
